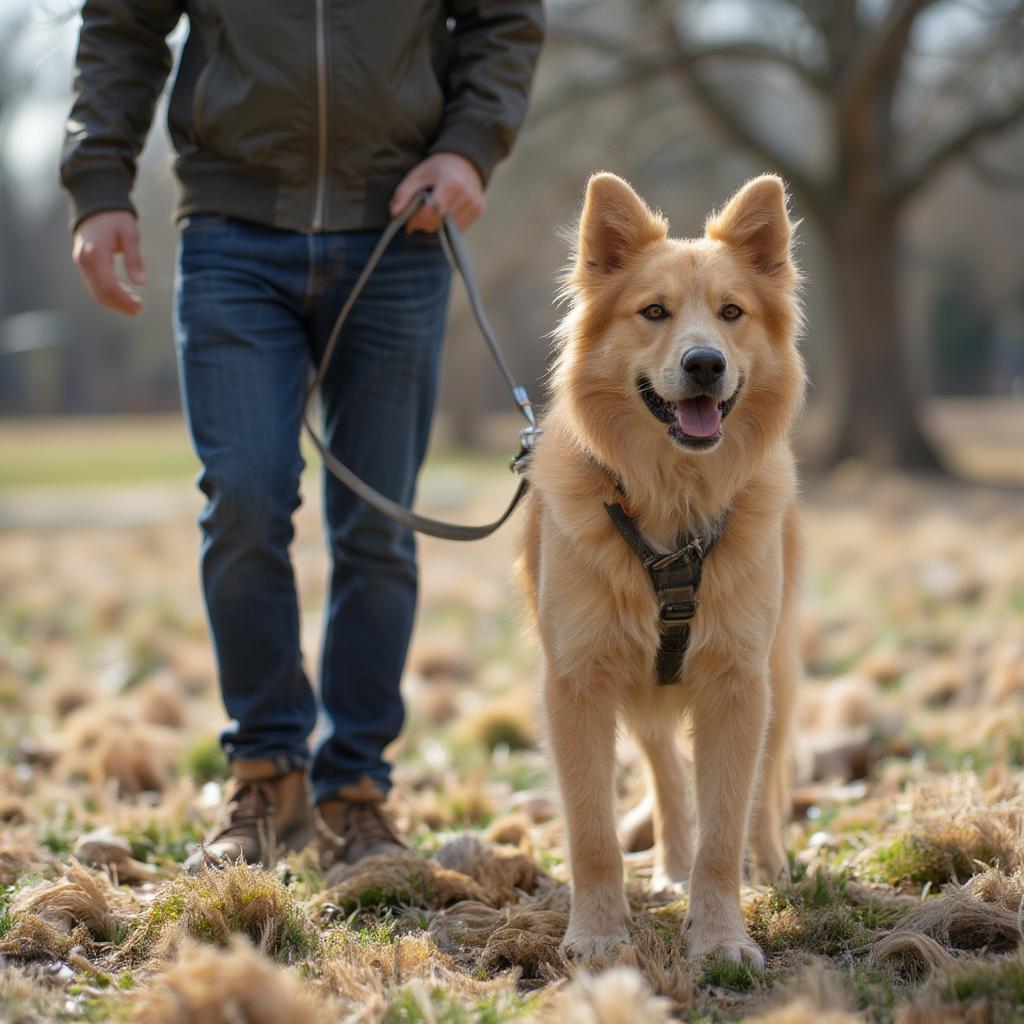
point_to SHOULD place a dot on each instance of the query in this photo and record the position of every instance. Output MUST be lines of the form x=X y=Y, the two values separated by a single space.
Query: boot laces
x=366 y=822
x=248 y=807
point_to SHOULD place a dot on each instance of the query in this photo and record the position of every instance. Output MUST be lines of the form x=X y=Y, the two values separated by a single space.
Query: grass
x=98 y=610
x=732 y=976
x=421 y=1006
x=815 y=914
x=94 y=452
x=214 y=905
x=204 y=761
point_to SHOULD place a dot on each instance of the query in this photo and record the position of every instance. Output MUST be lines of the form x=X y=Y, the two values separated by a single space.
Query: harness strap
x=455 y=251
x=675 y=578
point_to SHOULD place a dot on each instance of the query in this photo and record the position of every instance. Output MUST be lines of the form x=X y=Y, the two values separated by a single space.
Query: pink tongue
x=698 y=417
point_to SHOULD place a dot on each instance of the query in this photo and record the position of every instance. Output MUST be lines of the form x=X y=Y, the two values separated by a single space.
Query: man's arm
x=497 y=43
x=123 y=61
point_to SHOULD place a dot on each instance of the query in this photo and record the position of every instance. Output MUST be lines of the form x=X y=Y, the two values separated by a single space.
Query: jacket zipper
x=321 y=116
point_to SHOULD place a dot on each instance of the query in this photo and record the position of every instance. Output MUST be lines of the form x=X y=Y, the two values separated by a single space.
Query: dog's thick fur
x=595 y=608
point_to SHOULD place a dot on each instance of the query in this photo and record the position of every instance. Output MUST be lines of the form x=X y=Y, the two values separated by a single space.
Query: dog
x=660 y=550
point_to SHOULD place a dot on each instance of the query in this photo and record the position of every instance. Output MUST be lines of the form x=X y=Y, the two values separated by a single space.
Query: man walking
x=300 y=129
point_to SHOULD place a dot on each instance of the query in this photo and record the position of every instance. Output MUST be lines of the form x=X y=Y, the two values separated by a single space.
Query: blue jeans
x=253 y=309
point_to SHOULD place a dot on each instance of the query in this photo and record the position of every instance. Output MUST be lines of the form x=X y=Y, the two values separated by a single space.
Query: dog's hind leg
x=581 y=732
x=668 y=778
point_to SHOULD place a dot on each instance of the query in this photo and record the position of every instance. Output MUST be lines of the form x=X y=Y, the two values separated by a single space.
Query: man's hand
x=458 y=192
x=96 y=241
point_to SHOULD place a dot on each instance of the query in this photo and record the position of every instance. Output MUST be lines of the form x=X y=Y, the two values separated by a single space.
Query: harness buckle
x=678 y=611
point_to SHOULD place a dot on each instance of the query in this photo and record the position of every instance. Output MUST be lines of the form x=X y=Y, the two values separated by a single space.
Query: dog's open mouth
x=693 y=422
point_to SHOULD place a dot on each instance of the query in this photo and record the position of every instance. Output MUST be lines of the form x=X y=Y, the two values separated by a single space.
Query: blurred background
x=898 y=124
x=899 y=127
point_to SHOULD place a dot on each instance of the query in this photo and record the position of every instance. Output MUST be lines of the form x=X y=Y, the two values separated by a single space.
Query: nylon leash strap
x=455 y=251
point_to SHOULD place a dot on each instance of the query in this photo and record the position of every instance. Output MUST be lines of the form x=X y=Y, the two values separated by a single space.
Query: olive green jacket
x=301 y=114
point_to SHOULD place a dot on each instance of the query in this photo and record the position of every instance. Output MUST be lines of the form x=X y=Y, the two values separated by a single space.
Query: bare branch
x=752 y=50
x=740 y=49
x=956 y=145
x=734 y=125
x=630 y=70
x=995 y=177
x=881 y=53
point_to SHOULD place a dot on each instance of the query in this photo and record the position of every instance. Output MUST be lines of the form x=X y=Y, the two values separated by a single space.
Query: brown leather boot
x=264 y=811
x=354 y=825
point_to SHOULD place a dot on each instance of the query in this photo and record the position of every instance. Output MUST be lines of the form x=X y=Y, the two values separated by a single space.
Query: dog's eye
x=654 y=311
x=730 y=311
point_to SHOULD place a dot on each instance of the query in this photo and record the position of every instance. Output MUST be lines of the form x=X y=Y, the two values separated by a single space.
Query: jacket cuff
x=479 y=141
x=95 y=190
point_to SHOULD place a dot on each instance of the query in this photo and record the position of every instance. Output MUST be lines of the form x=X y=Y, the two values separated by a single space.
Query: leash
x=455 y=251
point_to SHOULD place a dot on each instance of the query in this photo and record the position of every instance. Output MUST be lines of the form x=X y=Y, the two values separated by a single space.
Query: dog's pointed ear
x=615 y=223
x=755 y=222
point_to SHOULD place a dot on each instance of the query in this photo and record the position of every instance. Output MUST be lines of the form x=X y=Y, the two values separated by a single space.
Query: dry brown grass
x=27 y=1001
x=945 y=831
x=983 y=913
x=232 y=985
x=914 y=954
x=19 y=854
x=618 y=996
x=917 y=677
x=802 y=1011
x=366 y=978
x=525 y=936
x=463 y=869
x=503 y=872
x=81 y=899
x=109 y=742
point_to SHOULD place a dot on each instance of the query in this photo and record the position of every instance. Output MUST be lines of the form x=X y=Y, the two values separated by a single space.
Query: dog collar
x=675 y=578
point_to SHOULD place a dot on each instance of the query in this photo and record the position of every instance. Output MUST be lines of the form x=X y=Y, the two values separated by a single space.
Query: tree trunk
x=880 y=412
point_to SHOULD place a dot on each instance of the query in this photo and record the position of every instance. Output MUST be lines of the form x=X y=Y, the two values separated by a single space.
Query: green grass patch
x=732 y=976
x=446 y=1009
x=920 y=859
x=160 y=842
x=983 y=990
x=214 y=905
x=204 y=761
x=812 y=914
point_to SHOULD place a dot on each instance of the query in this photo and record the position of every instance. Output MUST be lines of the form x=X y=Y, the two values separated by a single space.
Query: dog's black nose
x=704 y=365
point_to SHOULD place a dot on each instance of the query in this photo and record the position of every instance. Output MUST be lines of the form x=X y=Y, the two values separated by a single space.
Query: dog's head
x=687 y=343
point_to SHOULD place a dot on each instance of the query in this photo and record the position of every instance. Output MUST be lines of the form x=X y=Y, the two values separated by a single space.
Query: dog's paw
x=579 y=945
x=739 y=948
x=664 y=882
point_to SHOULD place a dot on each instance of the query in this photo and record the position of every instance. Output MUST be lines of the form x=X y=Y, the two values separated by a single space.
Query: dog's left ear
x=756 y=223
x=615 y=224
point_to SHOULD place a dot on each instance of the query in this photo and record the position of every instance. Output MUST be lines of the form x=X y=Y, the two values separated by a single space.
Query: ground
x=906 y=843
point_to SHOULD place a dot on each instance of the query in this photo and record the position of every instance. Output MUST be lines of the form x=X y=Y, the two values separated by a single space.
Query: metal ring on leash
x=455 y=251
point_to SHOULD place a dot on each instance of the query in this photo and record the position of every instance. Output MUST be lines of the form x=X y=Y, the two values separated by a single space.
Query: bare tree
x=891 y=93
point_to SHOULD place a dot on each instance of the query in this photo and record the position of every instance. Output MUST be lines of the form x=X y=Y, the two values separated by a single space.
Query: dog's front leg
x=581 y=732
x=729 y=725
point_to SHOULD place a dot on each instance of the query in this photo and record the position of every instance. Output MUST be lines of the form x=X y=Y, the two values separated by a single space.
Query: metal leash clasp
x=527 y=435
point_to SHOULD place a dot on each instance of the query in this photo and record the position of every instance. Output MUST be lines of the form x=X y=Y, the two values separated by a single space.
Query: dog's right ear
x=615 y=224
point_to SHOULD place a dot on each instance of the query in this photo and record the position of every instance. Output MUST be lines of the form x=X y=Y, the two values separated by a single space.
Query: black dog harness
x=675 y=577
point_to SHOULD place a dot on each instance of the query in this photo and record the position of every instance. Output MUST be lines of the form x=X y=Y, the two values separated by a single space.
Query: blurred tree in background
x=859 y=106
x=897 y=123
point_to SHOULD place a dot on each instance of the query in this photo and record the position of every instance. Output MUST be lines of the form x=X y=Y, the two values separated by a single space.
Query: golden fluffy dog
x=675 y=385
